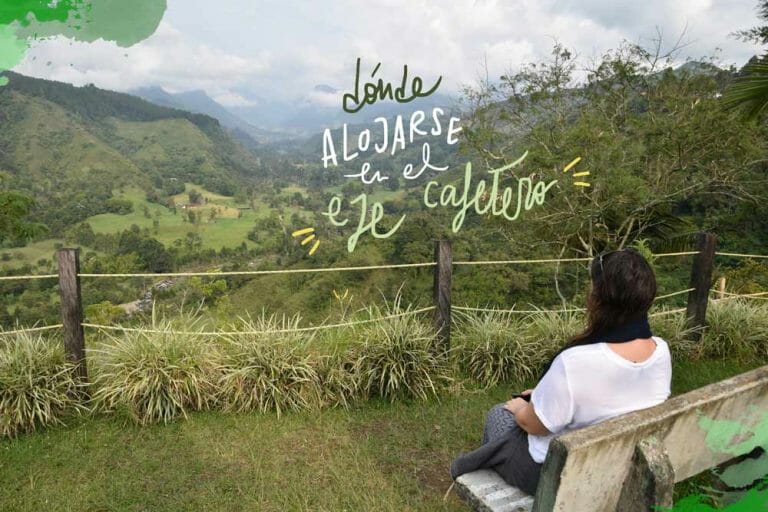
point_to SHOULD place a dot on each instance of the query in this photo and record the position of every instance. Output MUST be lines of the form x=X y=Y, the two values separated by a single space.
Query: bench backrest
x=591 y=468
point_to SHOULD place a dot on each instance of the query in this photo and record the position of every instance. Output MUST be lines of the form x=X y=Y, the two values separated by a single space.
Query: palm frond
x=748 y=91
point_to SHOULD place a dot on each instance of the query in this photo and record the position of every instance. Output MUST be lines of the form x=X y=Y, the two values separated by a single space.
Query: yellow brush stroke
x=303 y=231
x=570 y=165
x=582 y=184
x=314 y=248
x=585 y=173
x=307 y=240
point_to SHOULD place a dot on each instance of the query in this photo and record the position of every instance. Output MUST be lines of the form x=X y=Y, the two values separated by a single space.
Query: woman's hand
x=515 y=405
x=527 y=392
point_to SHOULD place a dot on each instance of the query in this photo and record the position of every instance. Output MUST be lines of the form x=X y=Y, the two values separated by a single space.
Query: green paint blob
x=736 y=438
x=28 y=12
x=11 y=48
x=753 y=501
x=125 y=22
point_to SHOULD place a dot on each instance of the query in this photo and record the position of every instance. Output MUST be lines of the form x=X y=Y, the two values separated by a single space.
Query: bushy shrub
x=673 y=329
x=156 y=375
x=398 y=357
x=265 y=368
x=339 y=383
x=37 y=383
x=735 y=328
x=496 y=347
x=550 y=330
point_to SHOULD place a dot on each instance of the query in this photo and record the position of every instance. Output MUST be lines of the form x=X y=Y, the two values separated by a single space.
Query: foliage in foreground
x=269 y=371
x=37 y=384
x=399 y=357
x=266 y=365
x=155 y=376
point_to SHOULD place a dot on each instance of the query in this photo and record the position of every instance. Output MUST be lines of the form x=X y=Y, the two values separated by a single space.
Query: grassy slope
x=52 y=147
x=375 y=457
x=51 y=143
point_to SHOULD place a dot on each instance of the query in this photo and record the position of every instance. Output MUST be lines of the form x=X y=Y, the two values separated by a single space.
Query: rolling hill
x=71 y=147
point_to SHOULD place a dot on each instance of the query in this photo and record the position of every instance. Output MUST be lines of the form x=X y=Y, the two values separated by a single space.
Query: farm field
x=227 y=230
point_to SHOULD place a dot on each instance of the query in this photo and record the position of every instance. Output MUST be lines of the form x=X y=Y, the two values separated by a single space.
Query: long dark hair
x=623 y=290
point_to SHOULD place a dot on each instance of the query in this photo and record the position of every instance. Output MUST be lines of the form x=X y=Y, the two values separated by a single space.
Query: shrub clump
x=264 y=368
x=37 y=383
x=673 y=329
x=398 y=357
x=496 y=347
x=339 y=383
x=735 y=328
x=155 y=375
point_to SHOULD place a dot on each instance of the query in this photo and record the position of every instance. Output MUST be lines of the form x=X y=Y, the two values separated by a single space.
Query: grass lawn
x=378 y=456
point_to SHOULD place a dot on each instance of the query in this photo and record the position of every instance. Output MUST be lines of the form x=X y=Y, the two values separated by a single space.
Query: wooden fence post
x=721 y=288
x=701 y=282
x=442 y=292
x=72 y=309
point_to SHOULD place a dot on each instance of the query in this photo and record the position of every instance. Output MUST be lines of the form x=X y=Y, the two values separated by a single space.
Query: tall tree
x=14 y=208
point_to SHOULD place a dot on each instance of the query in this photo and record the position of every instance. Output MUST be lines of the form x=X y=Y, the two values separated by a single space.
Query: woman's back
x=591 y=383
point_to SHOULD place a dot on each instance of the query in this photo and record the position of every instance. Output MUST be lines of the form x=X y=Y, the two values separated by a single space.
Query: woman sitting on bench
x=614 y=367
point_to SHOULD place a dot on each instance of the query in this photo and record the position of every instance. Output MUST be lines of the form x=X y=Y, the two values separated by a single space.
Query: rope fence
x=443 y=268
x=738 y=255
x=667 y=312
x=520 y=311
x=28 y=277
x=273 y=331
x=265 y=272
x=562 y=310
x=331 y=269
x=32 y=329
x=731 y=296
x=673 y=294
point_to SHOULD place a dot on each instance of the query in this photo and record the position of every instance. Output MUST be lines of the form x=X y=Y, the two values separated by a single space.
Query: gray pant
x=498 y=423
x=519 y=469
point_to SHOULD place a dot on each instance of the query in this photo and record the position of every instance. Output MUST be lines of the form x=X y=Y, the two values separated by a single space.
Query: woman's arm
x=526 y=418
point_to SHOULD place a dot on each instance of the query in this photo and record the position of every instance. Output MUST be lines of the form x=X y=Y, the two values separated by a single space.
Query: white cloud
x=232 y=99
x=283 y=48
x=168 y=58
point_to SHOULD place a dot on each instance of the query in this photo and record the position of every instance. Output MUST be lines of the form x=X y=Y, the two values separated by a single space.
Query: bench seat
x=630 y=463
x=485 y=491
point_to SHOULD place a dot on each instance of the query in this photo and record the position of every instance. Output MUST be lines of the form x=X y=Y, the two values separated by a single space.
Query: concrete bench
x=631 y=462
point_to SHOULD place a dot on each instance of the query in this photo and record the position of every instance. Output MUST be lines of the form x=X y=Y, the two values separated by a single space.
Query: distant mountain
x=321 y=108
x=199 y=102
x=273 y=120
x=71 y=147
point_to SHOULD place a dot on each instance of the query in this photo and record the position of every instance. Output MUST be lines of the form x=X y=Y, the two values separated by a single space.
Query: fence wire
x=331 y=269
x=272 y=331
x=32 y=329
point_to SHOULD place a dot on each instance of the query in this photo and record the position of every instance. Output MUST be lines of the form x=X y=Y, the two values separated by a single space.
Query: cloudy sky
x=240 y=51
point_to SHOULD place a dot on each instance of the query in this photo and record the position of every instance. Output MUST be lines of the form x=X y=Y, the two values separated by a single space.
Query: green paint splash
x=735 y=438
x=125 y=22
x=754 y=500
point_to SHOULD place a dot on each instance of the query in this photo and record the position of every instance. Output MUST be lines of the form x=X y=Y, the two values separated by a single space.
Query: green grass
x=224 y=232
x=377 y=456
x=31 y=253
